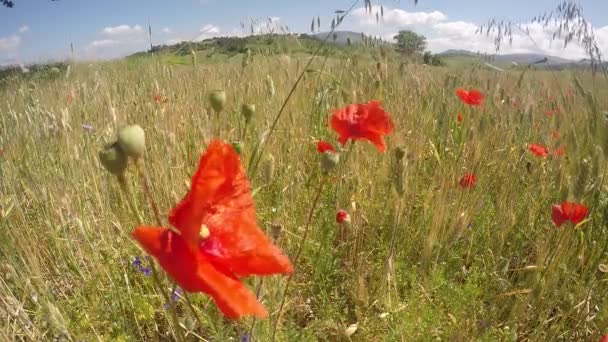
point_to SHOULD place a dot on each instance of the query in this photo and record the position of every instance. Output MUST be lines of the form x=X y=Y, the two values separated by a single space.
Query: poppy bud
x=399 y=153
x=275 y=230
x=113 y=159
x=217 y=98
x=329 y=160
x=342 y=217
x=238 y=146
x=268 y=169
x=248 y=111
x=132 y=141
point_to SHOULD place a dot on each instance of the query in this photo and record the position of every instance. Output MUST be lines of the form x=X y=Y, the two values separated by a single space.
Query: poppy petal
x=194 y=273
x=214 y=176
x=237 y=245
x=558 y=215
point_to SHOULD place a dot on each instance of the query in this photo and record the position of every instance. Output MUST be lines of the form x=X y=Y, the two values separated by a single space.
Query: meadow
x=423 y=258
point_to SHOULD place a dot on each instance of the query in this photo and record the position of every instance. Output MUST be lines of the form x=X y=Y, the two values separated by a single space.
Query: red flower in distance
x=216 y=238
x=468 y=180
x=342 y=216
x=555 y=134
x=366 y=121
x=568 y=211
x=560 y=151
x=323 y=146
x=604 y=338
x=459 y=117
x=539 y=150
x=471 y=97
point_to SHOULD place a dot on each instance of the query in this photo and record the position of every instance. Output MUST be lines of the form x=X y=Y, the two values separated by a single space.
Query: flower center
x=204 y=233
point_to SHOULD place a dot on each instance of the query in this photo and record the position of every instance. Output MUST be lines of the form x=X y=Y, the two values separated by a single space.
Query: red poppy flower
x=342 y=216
x=568 y=211
x=555 y=134
x=560 y=151
x=468 y=180
x=323 y=146
x=217 y=239
x=459 y=117
x=539 y=150
x=550 y=113
x=471 y=97
x=604 y=338
x=363 y=121
x=157 y=98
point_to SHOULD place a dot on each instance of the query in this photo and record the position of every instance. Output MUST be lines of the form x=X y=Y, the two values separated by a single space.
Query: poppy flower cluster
x=543 y=152
x=471 y=97
x=568 y=211
x=215 y=238
x=365 y=121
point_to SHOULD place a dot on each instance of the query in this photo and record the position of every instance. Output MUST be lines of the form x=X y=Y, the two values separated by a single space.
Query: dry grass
x=485 y=264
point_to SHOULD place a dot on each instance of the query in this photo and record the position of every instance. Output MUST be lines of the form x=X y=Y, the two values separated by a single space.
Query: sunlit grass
x=484 y=263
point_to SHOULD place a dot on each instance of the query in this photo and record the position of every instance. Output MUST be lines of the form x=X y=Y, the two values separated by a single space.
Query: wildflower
x=538 y=150
x=138 y=265
x=247 y=338
x=555 y=134
x=157 y=98
x=323 y=146
x=568 y=211
x=550 y=113
x=459 y=117
x=342 y=217
x=363 y=121
x=468 y=180
x=471 y=97
x=604 y=338
x=216 y=239
x=560 y=151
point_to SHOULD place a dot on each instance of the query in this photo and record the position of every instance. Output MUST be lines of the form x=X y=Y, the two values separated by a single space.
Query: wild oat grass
x=423 y=259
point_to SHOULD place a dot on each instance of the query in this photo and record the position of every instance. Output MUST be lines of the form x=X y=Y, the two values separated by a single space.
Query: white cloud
x=166 y=30
x=122 y=31
x=24 y=29
x=9 y=43
x=443 y=34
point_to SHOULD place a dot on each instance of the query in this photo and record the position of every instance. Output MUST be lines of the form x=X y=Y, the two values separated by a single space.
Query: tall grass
x=481 y=264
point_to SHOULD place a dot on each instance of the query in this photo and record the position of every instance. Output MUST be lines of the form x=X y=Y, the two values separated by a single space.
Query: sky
x=35 y=31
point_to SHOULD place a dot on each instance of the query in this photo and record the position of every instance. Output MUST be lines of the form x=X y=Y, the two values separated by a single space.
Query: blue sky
x=39 y=30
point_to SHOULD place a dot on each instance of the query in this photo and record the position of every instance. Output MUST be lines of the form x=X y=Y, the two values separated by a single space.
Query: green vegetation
x=480 y=264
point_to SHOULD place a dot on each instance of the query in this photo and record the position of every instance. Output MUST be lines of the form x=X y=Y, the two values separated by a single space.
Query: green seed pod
x=238 y=146
x=132 y=141
x=217 y=98
x=329 y=160
x=248 y=111
x=113 y=159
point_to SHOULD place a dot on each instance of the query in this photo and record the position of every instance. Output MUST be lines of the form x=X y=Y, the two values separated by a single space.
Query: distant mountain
x=341 y=37
x=512 y=58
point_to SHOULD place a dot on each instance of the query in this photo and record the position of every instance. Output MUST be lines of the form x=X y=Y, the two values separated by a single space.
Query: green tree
x=409 y=42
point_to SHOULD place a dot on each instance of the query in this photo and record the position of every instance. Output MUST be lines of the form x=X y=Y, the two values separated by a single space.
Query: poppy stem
x=298 y=253
x=141 y=169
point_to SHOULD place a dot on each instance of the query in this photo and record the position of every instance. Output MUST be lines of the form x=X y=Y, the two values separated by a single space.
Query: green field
x=480 y=264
